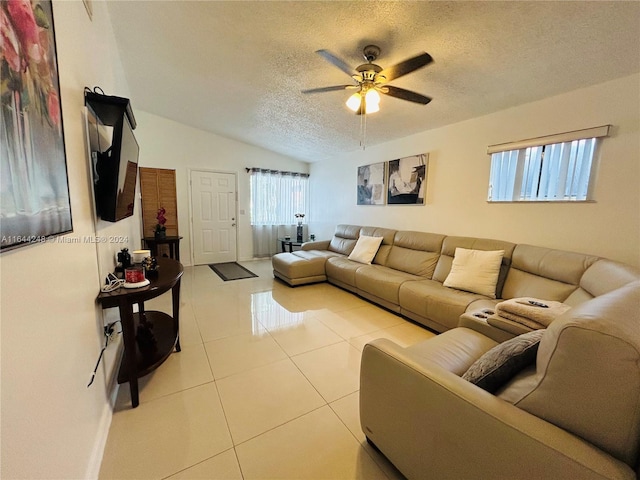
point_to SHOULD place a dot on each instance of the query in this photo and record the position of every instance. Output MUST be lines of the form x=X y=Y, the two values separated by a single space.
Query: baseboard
x=95 y=461
x=93 y=469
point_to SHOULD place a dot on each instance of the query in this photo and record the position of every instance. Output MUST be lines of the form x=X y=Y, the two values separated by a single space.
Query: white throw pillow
x=475 y=271
x=365 y=249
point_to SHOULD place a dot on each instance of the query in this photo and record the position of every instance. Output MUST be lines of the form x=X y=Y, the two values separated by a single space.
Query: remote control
x=538 y=304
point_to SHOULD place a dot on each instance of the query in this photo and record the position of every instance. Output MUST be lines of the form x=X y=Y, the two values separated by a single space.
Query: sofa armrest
x=480 y=325
x=426 y=419
x=319 y=245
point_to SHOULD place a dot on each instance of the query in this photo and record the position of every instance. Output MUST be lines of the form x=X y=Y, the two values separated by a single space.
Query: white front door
x=213 y=204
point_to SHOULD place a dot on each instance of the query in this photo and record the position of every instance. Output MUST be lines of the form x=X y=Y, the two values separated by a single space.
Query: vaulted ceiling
x=236 y=68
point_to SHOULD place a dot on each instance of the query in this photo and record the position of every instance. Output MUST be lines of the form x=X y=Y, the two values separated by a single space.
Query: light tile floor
x=266 y=385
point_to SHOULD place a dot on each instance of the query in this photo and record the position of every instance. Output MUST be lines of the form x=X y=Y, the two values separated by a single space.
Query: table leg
x=178 y=250
x=129 y=337
x=175 y=297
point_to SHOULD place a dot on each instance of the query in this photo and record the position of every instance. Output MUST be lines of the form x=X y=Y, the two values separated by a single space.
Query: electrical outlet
x=110 y=332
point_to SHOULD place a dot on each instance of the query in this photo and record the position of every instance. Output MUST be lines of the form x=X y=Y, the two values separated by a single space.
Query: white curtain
x=265 y=240
x=276 y=198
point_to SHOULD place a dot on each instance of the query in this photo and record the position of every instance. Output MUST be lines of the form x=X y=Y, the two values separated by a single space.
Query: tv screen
x=116 y=174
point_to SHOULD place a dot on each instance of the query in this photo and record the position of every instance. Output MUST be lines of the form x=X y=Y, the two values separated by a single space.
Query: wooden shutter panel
x=158 y=188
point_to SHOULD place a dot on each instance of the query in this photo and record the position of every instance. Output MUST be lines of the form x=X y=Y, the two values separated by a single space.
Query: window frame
x=545 y=151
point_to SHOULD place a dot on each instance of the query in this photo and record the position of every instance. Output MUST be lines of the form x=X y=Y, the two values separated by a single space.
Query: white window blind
x=554 y=168
x=277 y=196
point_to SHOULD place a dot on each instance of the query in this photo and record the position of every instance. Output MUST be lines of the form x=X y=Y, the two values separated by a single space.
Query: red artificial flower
x=160 y=216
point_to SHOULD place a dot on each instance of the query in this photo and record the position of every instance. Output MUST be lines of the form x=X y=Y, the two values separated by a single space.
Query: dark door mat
x=231 y=271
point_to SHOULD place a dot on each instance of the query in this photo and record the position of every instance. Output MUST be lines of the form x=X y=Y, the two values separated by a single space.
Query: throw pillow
x=475 y=271
x=496 y=367
x=365 y=249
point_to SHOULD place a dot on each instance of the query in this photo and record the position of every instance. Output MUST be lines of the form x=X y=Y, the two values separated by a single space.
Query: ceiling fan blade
x=328 y=89
x=404 y=94
x=408 y=66
x=341 y=64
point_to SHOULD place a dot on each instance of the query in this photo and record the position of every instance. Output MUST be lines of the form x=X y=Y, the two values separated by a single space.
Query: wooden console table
x=149 y=336
x=173 y=242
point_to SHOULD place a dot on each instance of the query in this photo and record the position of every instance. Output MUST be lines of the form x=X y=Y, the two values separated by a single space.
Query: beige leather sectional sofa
x=408 y=271
x=572 y=413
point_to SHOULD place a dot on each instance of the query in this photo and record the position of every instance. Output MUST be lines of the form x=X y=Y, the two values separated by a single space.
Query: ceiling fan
x=371 y=80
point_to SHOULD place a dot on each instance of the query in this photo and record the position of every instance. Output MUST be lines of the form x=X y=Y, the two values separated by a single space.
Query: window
x=277 y=196
x=547 y=169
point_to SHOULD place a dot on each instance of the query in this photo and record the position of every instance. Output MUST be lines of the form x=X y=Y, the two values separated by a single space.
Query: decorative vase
x=299 y=232
x=161 y=234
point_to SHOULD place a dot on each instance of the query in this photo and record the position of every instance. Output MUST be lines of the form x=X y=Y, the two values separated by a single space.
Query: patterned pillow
x=496 y=367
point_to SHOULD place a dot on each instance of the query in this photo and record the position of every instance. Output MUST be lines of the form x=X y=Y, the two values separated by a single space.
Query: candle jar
x=134 y=275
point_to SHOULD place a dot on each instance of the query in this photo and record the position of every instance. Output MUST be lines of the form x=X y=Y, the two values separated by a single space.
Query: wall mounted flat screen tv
x=115 y=170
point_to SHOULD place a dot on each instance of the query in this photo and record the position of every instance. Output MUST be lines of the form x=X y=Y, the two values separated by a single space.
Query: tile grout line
x=270 y=429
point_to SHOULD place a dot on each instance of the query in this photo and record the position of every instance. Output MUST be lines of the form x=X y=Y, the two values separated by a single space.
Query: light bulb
x=372 y=108
x=372 y=101
x=354 y=102
x=372 y=97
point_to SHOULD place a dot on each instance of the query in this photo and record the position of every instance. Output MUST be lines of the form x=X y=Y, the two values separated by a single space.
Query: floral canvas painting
x=371 y=189
x=406 y=180
x=34 y=203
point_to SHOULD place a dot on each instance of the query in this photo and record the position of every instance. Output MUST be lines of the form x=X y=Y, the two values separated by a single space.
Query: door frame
x=190 y=190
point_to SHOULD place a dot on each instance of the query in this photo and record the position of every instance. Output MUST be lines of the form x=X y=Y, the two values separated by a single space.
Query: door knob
x=233 y=224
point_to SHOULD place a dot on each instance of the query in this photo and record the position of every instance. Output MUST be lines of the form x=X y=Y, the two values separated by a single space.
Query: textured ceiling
x=236 y=68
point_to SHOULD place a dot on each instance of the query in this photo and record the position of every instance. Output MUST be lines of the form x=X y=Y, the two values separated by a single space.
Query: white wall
x=53 y=426
x=168 y=144
x=458 y=174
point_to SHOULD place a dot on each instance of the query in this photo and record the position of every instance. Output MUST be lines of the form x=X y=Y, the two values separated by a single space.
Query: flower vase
x=162 y=234
x=299 y=232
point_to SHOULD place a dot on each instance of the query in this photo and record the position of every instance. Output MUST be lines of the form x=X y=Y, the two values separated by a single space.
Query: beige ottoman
x=296 y=270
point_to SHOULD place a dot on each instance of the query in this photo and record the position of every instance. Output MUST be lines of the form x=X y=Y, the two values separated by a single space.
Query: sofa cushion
x=545 y=273
x=342 y=270
x=455 y=350
x=594 y=346
x=504 y=361
x=365 y=249
x=309 y=254
x=431 y=300
x=344 y=239
x=296 y=270
x=602 y=277
x=415 y=253
x=449 y=248
x=387 y=241
x=382 y=282
x=475 y=271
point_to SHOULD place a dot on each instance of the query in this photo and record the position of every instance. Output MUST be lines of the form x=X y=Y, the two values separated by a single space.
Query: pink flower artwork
x=34 y=190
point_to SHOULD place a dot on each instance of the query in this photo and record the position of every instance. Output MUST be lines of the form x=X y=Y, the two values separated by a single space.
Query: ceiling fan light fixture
x=371 y=102
x=372 y=97
x=353 y=102
x=371 y=107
